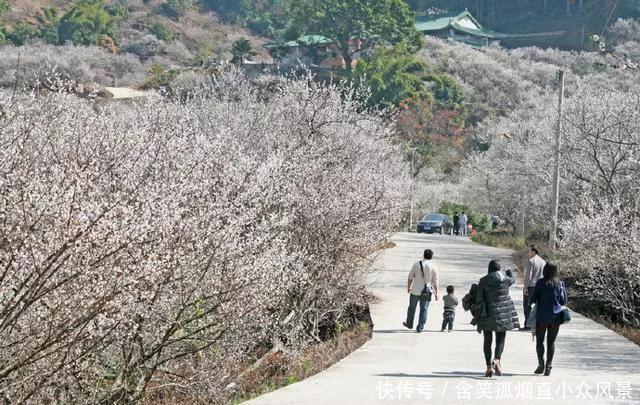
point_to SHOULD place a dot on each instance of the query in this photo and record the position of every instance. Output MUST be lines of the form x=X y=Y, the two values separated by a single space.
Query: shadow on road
x=424 y=331
x=452 y=374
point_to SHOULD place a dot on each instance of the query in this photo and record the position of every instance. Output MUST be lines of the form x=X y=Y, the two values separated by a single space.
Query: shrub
x=178 y=8
x=145 y=47
x=23 y=33
x=49 y=19
x=161 y=31
x=85 y=22
x=3 y=38
x=499 y=240
x=241 y=50
x=4 y=6
x=480 y=221
x=159 y=76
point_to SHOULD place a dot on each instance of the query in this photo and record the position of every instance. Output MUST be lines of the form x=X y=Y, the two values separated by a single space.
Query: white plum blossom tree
x=153 y=249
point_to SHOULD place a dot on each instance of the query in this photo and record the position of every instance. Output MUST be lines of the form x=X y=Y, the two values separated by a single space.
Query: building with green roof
x=461 y=27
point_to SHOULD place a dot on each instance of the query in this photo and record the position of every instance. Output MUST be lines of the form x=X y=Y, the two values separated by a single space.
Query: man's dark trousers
x=527 y=306
x=411 y=311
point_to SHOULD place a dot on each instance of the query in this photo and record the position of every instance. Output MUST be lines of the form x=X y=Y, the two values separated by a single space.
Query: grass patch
x=499 y=239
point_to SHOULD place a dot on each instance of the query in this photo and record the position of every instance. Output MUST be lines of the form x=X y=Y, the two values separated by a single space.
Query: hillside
x=147 y=29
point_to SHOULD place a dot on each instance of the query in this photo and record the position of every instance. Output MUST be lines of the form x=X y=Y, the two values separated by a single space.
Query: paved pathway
x=592 y=365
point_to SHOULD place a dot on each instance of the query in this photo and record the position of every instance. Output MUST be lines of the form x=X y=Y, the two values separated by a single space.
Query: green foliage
x=241 y=50
x=49 y=18
x=292 y=378
x=159 y=77
x=393 y=75
x=161 y=31
x=22 y=33
x=480 y=221
x=4 y=6
x=205 y=54
x=178 y=8
x=370 y=22
x=262 y=17
x=85 y=22
x=278 y=52
x=3 y=37
x=446 y=90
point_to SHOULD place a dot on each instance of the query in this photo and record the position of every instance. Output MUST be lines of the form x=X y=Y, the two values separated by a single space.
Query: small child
x=450 y=304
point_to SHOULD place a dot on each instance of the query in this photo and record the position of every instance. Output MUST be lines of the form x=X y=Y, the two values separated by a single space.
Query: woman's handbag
x=565 y=314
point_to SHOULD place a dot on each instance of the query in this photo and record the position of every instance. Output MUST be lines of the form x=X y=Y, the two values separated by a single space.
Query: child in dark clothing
x=450 y=304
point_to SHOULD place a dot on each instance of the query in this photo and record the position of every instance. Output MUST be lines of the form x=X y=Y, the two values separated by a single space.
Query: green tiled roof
x=306 y=40
x=436 y=22
x=451 y=20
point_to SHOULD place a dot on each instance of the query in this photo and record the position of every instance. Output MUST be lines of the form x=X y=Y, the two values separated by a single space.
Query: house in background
x=322 y=52
x=461 y=27
x=315 y=49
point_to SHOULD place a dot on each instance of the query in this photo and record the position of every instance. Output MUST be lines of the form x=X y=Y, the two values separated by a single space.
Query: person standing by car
x=456 y=223
x=495 y=221
x=549 y=295
x=532 y=273
x=498 y=315
x=463 y=224
x=422 y=284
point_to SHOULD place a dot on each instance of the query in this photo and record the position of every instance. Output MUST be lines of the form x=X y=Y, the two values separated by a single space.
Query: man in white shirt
x=532 y=273
x=421 y=285
x=463 y=224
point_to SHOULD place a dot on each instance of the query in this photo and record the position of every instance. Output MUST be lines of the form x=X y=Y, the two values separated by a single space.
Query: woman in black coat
x=499 y=314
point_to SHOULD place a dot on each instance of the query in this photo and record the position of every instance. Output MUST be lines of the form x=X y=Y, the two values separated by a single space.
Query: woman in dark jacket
x=549 y=295
x=500 y=316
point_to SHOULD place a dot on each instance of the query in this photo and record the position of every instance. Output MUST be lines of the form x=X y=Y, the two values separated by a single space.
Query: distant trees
x=356 y=25
x=263 y=17
x=178 y=8
x=241 y=50
x=85 y=22
x=392 y=75
x=4 y=6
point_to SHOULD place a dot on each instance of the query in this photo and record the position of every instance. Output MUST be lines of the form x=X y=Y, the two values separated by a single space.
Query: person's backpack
x=469 y=303
x=470 y=298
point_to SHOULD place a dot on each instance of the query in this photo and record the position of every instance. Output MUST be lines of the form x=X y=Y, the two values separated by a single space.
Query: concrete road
x=592 y=364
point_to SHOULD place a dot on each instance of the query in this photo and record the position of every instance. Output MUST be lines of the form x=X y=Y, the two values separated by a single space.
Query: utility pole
x=556 y=174
x=413 y=150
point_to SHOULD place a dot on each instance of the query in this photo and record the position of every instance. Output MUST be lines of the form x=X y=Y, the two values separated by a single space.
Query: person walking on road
x=463 y=224
x=421 y=286
x=549 y=295
x=532 y=273
x=449 y=314
x=498 y=315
